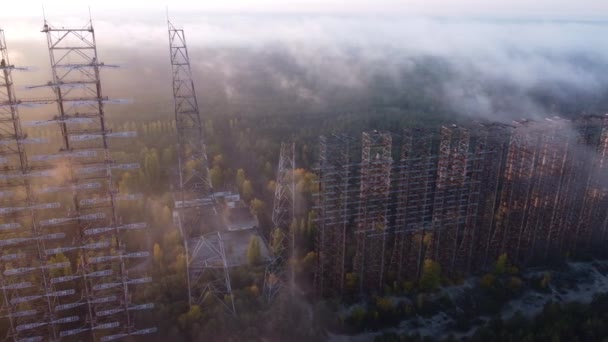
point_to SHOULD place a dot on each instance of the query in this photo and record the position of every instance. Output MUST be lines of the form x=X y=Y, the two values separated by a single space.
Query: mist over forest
x=259 y=65
x=263 y=80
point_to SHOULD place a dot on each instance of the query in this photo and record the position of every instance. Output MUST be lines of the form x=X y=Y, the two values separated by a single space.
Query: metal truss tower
x=373 y=216
x=208 y=270
x=93 y=294
x=194 y=198
x=192 y=151
x=280 y=270
x=334 y=211
x=25 y=278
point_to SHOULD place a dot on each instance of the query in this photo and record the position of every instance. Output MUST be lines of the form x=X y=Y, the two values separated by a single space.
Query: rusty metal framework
x=194 y=199
x=334 y=209
x=536 y=191
x=520 y=162
x=450 y=201
x=541 y=195
x=414 y=185
x=451 y=204
x=493 y=141
x=209 y=270
x=600 y=166
x=426 y=206
x=591 y=223
x=552 y=175
x=373 y=209
x=92 y=294
x=25 y=279
x=192 y=151
x=533 y=190
x=280 y=271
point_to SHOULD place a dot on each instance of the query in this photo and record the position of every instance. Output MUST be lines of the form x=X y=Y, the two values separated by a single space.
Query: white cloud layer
x=485 y=67
x=128 y=9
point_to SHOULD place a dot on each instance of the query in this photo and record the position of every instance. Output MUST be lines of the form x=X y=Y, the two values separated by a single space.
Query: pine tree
x=240 y=178
x=254 y=255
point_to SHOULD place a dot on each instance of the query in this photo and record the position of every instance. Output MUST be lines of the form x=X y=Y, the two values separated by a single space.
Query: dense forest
x=243 y=154
x=557 y=322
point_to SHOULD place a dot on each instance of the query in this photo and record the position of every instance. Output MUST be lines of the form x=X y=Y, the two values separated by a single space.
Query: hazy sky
x=349 y=49
x=511 y=8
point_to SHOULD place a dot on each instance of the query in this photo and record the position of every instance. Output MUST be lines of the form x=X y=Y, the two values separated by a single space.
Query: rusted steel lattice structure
x=25 y=278
x=461 y=197
x=194 y=199
x=592 y=224
x=516 y=190
x=541 y=191
x=455 y=201
x=334 y=209
x=192 y=150
x=93 y=294
x=423 y=207
x=280 y=271
x=533 y=190
x=414 y=186
x=545 y=221
x=494 y=142
x=373 y=221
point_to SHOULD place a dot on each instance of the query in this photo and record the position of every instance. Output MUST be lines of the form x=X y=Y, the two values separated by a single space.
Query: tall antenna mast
x=207 y=274
x=100 y=263
x=25 y=282
x=192 y=151
x=282 y=238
